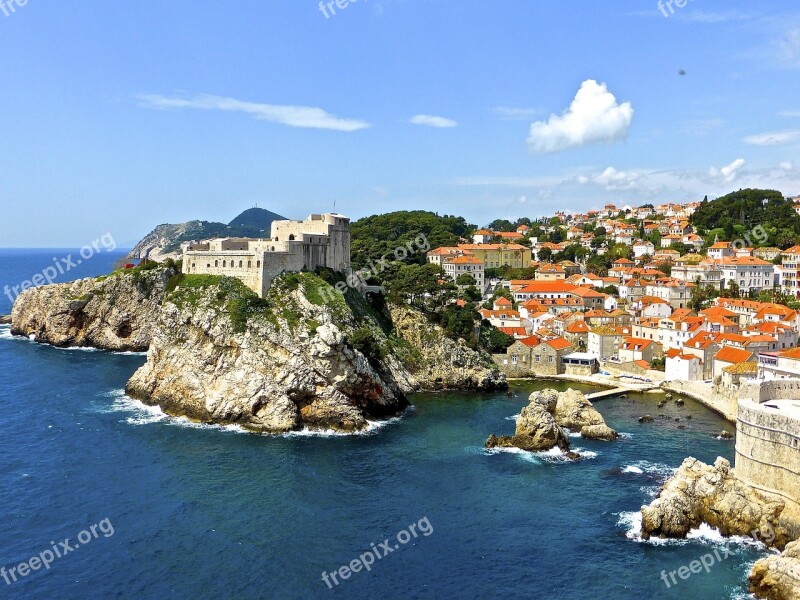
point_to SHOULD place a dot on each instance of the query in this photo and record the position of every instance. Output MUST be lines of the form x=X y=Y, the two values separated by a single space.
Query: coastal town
x=667 y=306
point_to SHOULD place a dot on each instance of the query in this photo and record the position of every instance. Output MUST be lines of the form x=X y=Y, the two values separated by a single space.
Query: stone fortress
x=319 y=241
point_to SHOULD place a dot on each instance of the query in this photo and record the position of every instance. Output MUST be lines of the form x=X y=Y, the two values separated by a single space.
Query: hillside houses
x=657 y=296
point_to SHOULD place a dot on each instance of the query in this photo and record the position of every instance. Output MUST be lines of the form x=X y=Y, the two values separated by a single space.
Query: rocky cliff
x=700 y=493
x=778 y=577
x=117 y=312
x=305 y=356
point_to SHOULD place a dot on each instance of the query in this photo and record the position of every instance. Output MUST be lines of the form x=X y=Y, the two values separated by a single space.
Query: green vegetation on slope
x=379 y=235
x=739 y=213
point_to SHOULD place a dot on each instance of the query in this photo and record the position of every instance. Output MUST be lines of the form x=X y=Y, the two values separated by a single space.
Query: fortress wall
x=211 y=263
x=768 y=453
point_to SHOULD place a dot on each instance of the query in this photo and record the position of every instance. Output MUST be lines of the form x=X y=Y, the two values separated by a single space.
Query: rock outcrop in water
x=541 y=425
x=305 y=356
x=700 y=493
x=778 y=577
x=117 y=312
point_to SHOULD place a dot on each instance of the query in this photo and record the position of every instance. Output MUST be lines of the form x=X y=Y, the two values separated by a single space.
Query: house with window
x=633 y=349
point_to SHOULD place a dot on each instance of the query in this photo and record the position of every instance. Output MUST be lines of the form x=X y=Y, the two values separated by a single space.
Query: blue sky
x=120 y=116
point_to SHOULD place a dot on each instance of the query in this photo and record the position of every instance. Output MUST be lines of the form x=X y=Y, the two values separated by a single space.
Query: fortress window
x=216 y=263
x=258 y=264
x=224 y=263
x=240 y=264
x=291 y=238
x=208 y=266
x=249 y=263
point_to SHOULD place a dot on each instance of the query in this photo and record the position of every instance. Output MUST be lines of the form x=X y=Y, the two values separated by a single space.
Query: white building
x=682 y=367
x=319 y=241
x=748 y=272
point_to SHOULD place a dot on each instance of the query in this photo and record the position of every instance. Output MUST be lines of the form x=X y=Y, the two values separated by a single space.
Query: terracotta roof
x=733 y=355
x=745 y=368
x=559 y=343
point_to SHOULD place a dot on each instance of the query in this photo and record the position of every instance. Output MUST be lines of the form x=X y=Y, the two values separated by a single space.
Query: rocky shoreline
x=116 y=313
x=305 y=357
x=699 y=493
x=545 y=422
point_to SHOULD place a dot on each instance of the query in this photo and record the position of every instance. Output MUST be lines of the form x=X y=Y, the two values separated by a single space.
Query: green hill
x=254 y=222
x=165 y=240
x=379 y=235
x=740 y=213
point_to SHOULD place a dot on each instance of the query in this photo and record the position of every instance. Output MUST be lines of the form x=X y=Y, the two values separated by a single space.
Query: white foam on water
x=625 y=436
x=130 y=353
x=554 y=455
x=79 y=349
x=371 y=428
x=573 y=434
x=531 y=457
x=5 y=334
x=650 y=468
x=711 y=535
x=651 y=491
x=513 y=417
x=632 y=469
x=144 y=414
x=632 y=522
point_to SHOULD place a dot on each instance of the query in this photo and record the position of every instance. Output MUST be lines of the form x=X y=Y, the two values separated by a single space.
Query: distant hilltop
x=165 y=240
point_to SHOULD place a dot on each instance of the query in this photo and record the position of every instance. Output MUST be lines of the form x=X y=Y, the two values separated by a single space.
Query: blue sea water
x=210 y=512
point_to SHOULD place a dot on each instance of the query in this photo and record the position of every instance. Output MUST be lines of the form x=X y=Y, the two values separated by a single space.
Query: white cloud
x=789 y=47
x=786 y=165
x=432 y=121
x=699 y=16
x=612 y=179
x=293 y=116
x=773 y=138
x=594 y=116
x=514 y=113
x=790 y=113
x=728 y=173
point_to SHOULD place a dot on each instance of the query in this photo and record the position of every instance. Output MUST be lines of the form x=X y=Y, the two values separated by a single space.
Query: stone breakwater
x=544 y=422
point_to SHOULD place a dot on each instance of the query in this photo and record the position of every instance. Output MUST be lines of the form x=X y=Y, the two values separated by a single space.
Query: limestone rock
x=5 y=319
x=541 y=424
x=778 y=577
x=599 y=432
x=575 y=412
x=700 y=493
x=646 y=419
x=441 y=363
x=113 y=313
x=537 y=430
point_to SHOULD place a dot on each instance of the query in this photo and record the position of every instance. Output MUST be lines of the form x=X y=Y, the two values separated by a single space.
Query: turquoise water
x=207 y=512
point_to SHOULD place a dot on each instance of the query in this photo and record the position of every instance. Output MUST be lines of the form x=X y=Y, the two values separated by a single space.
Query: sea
x=131 y=503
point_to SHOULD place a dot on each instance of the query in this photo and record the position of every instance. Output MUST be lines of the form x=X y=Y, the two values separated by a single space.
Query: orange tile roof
x=559 y=343
x=733 y=355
